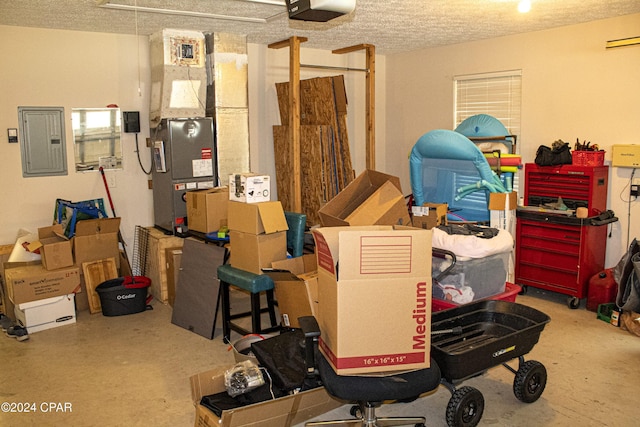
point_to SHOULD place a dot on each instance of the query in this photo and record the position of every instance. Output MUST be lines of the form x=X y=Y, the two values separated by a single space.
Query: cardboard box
x=257 y=218
x=55 y=249
x=502 y=211
x=96 y=239
x=249 y=188
x=365 y=271
x=6 y=306
x=284 y=411
x=373 y=198
x=46 y=313
x=253 y=252
x=207 y=209
x=28 y=282
x=296 y=282
x=502 y=215
x=429 y=215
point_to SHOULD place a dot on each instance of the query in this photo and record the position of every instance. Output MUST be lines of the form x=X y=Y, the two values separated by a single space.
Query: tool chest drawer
x=579 y=186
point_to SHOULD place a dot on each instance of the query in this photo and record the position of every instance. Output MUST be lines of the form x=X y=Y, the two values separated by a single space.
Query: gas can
x=602 y=289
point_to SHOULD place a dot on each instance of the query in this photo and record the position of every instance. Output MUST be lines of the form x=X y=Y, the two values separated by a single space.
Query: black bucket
x=124 y=295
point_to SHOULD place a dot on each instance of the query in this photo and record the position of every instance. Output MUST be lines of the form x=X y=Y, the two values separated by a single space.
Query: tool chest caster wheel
x=573 y=302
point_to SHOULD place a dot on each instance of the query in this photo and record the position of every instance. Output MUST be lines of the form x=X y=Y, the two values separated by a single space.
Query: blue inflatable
x=483 y=125
x=446 y=167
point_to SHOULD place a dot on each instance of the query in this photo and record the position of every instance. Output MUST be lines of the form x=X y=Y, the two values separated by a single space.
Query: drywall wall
x=572 y=87
x=72 y=70
x=79 y=69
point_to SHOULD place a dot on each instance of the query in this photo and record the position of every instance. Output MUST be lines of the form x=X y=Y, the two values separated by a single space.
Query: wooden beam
x=294 y=116
x=370 y=99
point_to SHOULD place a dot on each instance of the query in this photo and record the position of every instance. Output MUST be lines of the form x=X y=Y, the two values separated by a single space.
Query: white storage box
x=249 y=188
x=46 y=313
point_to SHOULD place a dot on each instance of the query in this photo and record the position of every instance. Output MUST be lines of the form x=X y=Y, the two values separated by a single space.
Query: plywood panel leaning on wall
x=324 y=143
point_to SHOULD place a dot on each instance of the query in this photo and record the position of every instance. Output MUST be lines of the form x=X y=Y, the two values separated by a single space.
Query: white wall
x=71 y=70
x=80 y=69
x=571 y=88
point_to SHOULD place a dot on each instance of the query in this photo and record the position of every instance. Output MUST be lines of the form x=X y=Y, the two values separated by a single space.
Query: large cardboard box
x=207 y=209
x=253 y=252
x=55 y=249
x=366 y=271
x=46 y=313
x=257 y=218
x=283 y=412
x=296 y=282
x=373 y=198
x=28 y=282
x=249 y=188
x=429 y=215
x=96 y=239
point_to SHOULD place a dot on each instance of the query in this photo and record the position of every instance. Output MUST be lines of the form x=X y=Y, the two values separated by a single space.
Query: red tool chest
x=557 y=252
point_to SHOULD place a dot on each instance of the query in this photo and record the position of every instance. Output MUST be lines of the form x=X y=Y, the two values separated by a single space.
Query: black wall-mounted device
x=131 y=120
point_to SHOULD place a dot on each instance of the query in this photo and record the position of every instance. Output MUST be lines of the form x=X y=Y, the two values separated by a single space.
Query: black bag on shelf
x=546 y=156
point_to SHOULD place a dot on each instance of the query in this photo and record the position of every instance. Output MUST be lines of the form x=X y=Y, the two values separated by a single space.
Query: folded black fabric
x=470 y=230
x=283 y=357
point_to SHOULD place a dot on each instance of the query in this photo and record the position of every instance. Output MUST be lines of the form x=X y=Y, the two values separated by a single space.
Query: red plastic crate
x=511 y=291
x=587 y=158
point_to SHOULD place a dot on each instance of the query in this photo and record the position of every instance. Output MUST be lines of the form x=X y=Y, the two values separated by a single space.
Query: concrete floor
x=134 y=371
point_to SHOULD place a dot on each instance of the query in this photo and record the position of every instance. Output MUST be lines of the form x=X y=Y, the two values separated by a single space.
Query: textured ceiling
x=391 y=25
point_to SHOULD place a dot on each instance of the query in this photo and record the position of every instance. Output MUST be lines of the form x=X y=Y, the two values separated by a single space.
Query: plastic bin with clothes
x=469 y=262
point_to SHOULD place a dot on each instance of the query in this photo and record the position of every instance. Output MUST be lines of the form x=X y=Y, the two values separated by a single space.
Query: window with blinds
x=497 y=94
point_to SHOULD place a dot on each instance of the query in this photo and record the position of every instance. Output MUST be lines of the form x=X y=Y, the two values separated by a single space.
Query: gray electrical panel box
x=42 y=141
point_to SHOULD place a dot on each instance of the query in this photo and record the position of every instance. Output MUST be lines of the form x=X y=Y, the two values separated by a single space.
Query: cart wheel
x=530 y=381
x=573 y=302
x=465 y=407
x=355 y=411
x=523 y=290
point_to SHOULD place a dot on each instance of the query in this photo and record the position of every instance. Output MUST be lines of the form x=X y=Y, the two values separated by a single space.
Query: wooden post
x=294 y=116
x=370 y=99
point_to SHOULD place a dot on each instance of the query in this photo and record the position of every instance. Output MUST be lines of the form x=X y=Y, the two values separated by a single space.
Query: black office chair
x=367 y=391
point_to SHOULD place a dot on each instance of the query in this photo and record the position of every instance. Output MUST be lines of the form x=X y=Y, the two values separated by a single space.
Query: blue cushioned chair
x=256 y=284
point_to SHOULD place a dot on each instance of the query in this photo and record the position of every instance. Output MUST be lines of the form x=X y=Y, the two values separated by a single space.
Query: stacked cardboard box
x=46 y=292
x=258 y=234
x=207 y=209
x=296 y=287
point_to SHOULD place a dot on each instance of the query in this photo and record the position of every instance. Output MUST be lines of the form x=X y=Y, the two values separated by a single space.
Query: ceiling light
x=524 y=6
